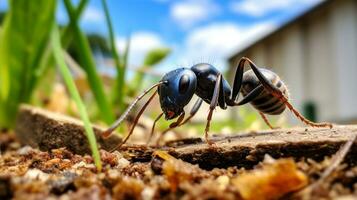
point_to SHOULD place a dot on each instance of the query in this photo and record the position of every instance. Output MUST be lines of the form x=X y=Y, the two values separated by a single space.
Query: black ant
x=259 y=86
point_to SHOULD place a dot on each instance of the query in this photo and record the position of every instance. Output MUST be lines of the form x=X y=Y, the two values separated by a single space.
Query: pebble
x=123 y=163
x=26 y=150
x=36 y=174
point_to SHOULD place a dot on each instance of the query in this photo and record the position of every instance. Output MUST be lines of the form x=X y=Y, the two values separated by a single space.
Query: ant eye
x=184 y=83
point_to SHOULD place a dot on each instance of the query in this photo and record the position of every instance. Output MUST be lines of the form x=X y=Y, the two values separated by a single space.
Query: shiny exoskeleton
x=259 y=86
x=265 y=102
x=181 y=84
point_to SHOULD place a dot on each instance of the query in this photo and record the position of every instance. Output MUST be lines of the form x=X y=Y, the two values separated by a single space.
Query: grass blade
x=66 y=38
x=67 y=77
x=24 y=39
x=87 y=62
x=67 y=32
x=119 y=88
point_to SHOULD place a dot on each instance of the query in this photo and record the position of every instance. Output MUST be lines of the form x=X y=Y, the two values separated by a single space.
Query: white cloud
x=190 y=12
x=259 y=8
x=220 y=40
x=212 y=43
x=140 y=44
x=93 y=15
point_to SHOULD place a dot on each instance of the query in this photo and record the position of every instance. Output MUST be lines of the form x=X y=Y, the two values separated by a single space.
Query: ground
x=59 y=174
x=272 y=164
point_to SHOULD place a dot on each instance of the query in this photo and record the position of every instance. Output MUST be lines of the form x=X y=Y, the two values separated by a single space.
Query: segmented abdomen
x=265 y=102
x=268 y=104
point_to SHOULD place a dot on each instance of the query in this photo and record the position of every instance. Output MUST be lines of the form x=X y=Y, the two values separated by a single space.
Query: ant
x=259 y=86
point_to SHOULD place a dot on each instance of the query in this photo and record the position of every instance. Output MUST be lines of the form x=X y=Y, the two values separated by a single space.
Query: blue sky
x=196 y=30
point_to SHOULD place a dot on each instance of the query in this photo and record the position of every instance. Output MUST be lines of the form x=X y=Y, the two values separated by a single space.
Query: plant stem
x=67 y=77
x=120 y=77
x=87 y=62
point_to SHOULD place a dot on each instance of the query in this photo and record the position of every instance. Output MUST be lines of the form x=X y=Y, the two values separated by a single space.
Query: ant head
x=176 y=91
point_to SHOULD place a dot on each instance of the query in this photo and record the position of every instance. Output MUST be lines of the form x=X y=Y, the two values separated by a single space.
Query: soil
x=28 y=173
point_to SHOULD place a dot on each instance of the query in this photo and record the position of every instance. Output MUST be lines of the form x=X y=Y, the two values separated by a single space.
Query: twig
x=336 y=160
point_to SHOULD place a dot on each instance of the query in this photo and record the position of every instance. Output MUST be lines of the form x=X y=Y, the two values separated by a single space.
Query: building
x=316 y=56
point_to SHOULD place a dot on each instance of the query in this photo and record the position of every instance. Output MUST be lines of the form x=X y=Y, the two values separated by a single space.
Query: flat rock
x=246 y=149
x=46 y=130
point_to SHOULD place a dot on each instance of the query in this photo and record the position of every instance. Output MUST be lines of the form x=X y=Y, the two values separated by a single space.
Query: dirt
x=28 y=173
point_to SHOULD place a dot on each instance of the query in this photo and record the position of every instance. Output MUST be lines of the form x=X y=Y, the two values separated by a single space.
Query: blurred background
x=116 y=53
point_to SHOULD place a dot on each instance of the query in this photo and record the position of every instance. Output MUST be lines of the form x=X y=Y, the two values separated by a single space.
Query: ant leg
x=251 y=95
x=193 y=111
x=265 y=82
x=136 y=121
x=302 y=118
x=153 y=127
x=277 y=93
x=115 y=125
x=266 y=121
x=238 y=80
x=172 y=126
x=213 y=105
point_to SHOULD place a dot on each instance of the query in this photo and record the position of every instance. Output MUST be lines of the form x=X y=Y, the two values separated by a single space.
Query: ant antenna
x=135 y=122
x=115 y=125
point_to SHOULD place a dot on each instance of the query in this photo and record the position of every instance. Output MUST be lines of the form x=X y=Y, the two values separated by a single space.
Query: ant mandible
x=259 y=86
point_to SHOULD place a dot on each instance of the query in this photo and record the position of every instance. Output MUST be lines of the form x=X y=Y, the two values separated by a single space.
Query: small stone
x=268 y=159
x=113 y=174
x=47 y=130
x=148 y=193
x=79 y=165
x=36 y=174
x=122 y=163
x=26 y=150
x=223 y=182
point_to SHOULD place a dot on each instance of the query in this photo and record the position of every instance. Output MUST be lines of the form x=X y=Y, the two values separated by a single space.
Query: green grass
x=119 y=88
x=23 y=43
x=67 y=77
x=66 y=38
x=88 y=64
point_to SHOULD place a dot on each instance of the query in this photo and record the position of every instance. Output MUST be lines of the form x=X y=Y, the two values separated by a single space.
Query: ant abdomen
x=265 y=102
